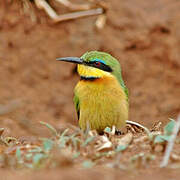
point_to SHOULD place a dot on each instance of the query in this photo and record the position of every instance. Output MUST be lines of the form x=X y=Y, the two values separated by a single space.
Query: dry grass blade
x=170 y=145
x=113 y=131
x=104 y=143
x=101 y=21
x=28 y=9
x=42 y=4
x=140 y=126
x=156 y=126
x=175 y=157
x=80 y=14
x=125 y=140
x=74 y=6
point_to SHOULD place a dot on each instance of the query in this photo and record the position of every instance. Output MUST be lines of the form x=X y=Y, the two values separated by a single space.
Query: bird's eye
x=97 y=63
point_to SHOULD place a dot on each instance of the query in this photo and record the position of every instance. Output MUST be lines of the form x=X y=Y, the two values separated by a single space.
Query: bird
x=100 y=97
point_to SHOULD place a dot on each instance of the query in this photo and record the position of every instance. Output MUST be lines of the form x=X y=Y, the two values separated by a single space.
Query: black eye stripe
x=99 y=65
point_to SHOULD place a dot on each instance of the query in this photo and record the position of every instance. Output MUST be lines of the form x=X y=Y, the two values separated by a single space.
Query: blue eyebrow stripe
x=100 y=61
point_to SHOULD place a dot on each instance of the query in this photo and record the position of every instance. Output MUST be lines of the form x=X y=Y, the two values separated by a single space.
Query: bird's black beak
x=75 y=60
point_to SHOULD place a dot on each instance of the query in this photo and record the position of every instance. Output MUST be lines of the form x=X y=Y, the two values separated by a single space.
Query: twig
x=80 y=14
x=42 y=4
x=170 y=145
x=101 y=21
x=28 y=9
x=74 y=6
x=139 y=125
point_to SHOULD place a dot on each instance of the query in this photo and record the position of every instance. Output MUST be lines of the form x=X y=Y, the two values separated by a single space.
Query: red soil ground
x=143 y=35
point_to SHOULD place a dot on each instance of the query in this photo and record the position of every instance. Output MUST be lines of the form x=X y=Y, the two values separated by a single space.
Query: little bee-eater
x=101 y=97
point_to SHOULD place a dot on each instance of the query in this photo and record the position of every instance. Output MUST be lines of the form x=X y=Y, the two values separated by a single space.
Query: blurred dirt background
x=143 y=35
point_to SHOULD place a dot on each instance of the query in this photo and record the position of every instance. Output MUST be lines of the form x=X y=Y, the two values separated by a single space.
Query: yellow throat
x=88 y=71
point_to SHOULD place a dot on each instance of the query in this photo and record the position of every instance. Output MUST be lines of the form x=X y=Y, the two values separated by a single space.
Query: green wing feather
x=77 y=105
x=123 y=86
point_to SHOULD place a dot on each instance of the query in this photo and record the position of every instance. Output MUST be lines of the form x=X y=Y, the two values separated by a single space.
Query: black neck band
x=88 y=78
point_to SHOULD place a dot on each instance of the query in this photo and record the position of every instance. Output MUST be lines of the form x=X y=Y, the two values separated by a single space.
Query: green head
x=103 y=61
x=95 y=64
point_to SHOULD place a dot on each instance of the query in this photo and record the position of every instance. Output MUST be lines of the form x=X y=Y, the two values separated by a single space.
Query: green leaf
x=88 y=164
x=18 y=154
x=168 y=129
x=35 y=150
x=99 y=155
x=75 y=142
x=76 y=155
x=88 y=140
x=62 y=141
x=37 y=158
x=158 y=139
x=29 y=156
x=51 y=128
x=137 y=156
x=162 y=138
x=48 y=144
x=107 y=130
x=121 y=148
x=64 y=132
